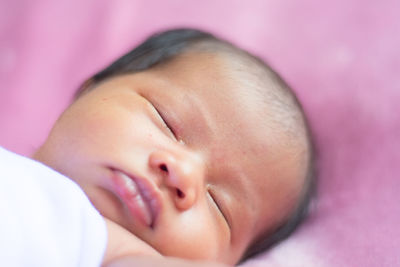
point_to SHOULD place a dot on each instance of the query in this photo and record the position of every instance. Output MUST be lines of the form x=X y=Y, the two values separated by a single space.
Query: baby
x=189 y=147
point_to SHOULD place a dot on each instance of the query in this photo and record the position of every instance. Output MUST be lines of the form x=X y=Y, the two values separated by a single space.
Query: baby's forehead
x=228 y=75
x=234 y=96
x=221 y=89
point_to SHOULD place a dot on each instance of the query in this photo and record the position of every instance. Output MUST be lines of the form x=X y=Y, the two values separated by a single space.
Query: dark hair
x=157 y=49
x=164 y=46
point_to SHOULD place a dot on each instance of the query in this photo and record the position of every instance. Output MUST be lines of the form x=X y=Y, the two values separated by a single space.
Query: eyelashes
x=167 y=126
x=218 y=206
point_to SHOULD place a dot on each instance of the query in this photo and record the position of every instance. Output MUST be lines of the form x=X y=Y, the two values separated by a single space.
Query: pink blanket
x=342 y=57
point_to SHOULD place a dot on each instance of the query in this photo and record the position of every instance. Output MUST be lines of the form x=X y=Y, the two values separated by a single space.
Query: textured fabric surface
x=342 y=57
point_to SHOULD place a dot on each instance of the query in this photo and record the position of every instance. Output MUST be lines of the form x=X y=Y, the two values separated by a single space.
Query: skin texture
x=122 y=244
x=220 y=174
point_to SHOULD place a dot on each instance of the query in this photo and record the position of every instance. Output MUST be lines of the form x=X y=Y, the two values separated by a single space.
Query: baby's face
x=181 y=156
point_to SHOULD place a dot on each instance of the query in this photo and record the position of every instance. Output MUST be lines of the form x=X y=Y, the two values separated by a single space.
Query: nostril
x=164 y=168
x=180 y=194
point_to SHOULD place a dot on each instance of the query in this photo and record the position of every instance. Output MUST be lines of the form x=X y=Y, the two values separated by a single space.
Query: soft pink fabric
x=342 y=57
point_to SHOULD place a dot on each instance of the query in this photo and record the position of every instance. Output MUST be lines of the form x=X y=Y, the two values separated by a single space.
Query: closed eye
x=165 y=122
x=219 y=207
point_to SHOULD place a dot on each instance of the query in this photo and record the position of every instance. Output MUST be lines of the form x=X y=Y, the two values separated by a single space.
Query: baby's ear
x=122 y=243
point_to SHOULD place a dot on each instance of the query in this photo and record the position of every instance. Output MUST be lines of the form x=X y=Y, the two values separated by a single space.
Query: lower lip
x=129 y=193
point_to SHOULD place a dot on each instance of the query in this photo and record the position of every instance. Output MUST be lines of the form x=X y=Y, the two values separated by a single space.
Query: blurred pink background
x=342 y=57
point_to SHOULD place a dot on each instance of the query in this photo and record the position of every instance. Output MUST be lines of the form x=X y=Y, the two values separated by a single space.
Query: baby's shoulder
x=45 y=211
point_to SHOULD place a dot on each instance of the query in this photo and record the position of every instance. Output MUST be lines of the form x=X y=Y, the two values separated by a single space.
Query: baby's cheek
x=191 y=235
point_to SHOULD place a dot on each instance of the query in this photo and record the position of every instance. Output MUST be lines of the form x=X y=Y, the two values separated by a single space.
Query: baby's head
x=191 y=144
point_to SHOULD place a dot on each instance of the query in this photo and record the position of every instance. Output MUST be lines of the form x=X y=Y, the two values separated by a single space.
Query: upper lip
x=150 y=193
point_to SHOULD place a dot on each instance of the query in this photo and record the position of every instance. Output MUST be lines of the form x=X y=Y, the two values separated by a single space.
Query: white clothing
x=45 y=218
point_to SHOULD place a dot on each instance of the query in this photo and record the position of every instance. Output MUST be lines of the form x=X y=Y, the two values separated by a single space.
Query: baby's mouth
x=139 y=196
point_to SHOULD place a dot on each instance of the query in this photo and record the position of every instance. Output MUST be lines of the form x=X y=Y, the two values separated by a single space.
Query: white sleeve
x=45 y=218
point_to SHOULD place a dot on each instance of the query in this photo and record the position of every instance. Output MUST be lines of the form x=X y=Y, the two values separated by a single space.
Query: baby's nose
x=181 y=173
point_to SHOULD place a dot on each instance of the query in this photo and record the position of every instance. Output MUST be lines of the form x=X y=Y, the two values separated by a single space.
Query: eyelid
x=219 y=207
x=167 y=126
